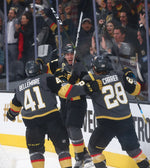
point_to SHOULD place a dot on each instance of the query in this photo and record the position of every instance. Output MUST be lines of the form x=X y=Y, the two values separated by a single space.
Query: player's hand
x=132 y=86
x=62 y=75
x=92 y=86
x=10 y=116
x=43 y=66
x=128 y=72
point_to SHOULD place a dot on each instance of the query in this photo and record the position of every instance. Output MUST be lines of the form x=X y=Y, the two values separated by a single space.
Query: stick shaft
x=142 y=113
x=59 y=22
x=77 y=37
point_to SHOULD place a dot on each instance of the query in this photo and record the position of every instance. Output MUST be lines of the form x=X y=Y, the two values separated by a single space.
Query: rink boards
x=13 y=133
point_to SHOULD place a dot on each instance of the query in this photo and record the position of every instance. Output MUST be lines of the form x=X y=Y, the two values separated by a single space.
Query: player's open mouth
x=70 y=61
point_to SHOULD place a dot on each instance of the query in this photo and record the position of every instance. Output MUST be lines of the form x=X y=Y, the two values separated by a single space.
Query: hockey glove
x=132 y=86
x=11 y=116
x=43 y=66
x=128 y=72
x=92 y=86
x=62 y=75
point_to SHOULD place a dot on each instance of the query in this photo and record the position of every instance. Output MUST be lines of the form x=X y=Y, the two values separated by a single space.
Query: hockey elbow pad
x=11 y=115
x=132 y=86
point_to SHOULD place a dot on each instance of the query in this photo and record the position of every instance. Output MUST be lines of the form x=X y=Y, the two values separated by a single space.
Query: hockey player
x=74 y=110
x=113 y=114
x=35 y=97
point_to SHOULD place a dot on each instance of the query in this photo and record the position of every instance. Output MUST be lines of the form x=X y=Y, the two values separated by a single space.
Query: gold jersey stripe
x=40 y=115
x=76 y=98
x=114 y=118
x=98 y=147
x=15 y=108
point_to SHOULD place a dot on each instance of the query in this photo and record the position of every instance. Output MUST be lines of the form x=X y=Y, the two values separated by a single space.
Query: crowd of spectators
x=121 y=32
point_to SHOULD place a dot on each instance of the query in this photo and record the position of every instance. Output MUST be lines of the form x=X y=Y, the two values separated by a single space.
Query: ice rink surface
x=19 y=158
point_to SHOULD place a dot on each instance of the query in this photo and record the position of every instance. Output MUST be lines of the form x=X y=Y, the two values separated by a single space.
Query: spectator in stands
x=139 y=5
x=75 y=11
x=67 y=10
x=44 y=3
x=142 y=66
x=11 y=39
x=84 y=42
x=68 y=30
x=19 y=7
x=64 y=3
x=123 y=50
x=110 y=28
x=101 y=10
x=135 y=6
x=101 y=27
x=104 y=8
x=130 y=28
x=60 y=12
x=42 y=28
x=25 y=34
x=121 y=5
x=1 y=46
x=106 y=36
x=121 y=46
x=46 y=24
x=107 y=10
x=52 y=29
x=142 y=21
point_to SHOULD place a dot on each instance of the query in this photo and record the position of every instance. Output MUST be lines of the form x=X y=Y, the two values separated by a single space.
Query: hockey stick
x=77 y=37
x=141 y=111
x=60 y=22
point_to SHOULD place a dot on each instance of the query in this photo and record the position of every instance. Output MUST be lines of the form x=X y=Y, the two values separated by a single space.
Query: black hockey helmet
x=68 y=49
x=32 y=68
x=101 y=64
